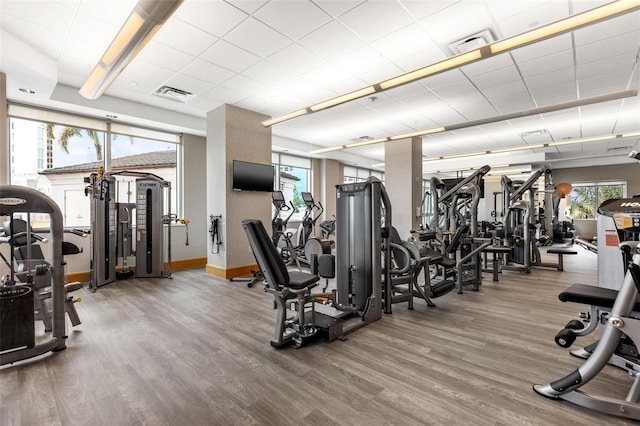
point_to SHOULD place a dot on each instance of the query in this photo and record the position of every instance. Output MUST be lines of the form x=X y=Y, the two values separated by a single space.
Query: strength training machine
x=112 y=227
x=362 y=237
x=19 y=299
x=614 y=310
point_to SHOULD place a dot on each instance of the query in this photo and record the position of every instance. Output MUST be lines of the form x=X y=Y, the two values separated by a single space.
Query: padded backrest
x=19 y=226
x=24 y=263
x=457 y=238
x=270 y=262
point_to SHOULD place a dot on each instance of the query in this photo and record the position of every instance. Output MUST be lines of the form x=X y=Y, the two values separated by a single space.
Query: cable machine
x=112 y=227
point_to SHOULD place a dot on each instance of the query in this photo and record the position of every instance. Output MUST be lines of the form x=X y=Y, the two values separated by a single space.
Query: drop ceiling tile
x=420 y=9
x=79 y=55
x=267 y=73
x=605 y=83
x=554 y=62
x=49 y=42
x=383 y=17
x=360 y=60
x=204 y=104
x=496 y=78
x=469 y=18
x=554 y=95
x=488 y=65
x=52 y=15
x=331 y=41
x=337 y=8
x=394 y=45
x=93 y=30
x=277 y=15
x=610 y=28
x=185 y=37
x=563 y=76
x=601 y=68
x=539 y=51
x=116 y=14
x=224 y=95
x=165 y=56
x=296 y=58
x=627 y=43
x=505 y=90
x=512 y=102
x=381 y=73
x=141 y=71
x=257 y=38
x=229 y=56
x=242 y=84
x=502 y=9
x=248 y=6
x=214 y=17
x=207 y=71
x=420 y=60
x=334 y=78
x=532 y=18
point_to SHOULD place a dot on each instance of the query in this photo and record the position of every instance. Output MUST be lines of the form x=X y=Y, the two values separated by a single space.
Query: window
x=584 y=199
x=357 y=174
x=53 y=152
x=293 y=178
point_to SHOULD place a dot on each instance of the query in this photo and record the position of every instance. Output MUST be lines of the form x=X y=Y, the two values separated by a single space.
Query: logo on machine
x=148 y=184
x=11 y=201
x=14 y=291
x=633 y=204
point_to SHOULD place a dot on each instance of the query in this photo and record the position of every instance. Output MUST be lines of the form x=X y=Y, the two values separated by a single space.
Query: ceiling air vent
x=173 y=94
x=472 y=42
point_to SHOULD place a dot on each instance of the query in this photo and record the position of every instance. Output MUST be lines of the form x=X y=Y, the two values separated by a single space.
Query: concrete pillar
x=234 y=134
x=331 y=174
x=403 y=181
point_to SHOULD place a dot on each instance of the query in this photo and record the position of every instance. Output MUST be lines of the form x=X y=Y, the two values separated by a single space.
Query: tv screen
x=252 y=176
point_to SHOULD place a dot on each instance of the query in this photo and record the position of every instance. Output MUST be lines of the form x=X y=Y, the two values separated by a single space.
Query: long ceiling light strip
x=538 y=146
x=504 y=117
x=574 y=22
x=144 y=21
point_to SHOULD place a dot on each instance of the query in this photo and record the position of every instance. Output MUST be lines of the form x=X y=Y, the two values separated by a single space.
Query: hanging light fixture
x=145 y=20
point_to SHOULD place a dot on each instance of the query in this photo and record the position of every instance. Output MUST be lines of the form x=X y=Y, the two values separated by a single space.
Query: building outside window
x=53 y=153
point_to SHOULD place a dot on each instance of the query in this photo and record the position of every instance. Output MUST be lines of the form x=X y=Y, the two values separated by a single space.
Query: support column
x=234 y=134
x=403 y=181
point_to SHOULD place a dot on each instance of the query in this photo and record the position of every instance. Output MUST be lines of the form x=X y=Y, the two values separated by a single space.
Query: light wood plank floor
x=194 y=350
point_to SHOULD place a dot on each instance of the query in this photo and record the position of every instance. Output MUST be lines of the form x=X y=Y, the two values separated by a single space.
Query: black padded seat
x=299 y=279
x=434 y=255
x=497 y=249
x=592 y=295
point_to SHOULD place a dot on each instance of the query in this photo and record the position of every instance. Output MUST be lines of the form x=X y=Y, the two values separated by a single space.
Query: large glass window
x=293 y=178
x=358 y=174
x=584 y=199
x=53 y=153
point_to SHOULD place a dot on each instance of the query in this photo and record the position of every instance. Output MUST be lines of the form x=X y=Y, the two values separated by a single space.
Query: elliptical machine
x=309 y=248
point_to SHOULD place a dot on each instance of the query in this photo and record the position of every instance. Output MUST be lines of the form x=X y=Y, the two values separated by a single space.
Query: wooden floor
x=195 y=350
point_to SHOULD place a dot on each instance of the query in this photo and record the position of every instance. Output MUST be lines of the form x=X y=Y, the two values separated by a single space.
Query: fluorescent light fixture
x=330 y=149
x=519 y=114
x=544 y=145
x=272 y=121
x=342 y=99
x=363 y=143
x=144 y=21
x=571 y=23
x=438 y=67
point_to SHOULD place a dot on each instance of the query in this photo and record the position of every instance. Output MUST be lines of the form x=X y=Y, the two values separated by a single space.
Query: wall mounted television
x=247 y=176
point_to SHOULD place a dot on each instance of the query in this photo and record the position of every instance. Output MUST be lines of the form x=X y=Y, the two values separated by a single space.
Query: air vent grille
x=174 y=94
x=472 y=42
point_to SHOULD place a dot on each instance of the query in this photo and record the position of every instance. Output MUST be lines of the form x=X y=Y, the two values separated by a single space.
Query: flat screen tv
x=252 y=176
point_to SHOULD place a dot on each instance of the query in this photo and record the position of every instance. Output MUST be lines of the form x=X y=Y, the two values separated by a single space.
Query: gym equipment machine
x=112 y=223
x=363 y=217
x=621 y=324
x=618 y=221
x=17 y=314
x=614 y=309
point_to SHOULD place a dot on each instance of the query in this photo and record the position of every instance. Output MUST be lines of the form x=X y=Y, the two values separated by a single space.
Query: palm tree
x=69 y=132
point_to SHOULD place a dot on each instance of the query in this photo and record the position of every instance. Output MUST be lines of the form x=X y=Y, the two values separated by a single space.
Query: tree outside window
x=585 y=198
